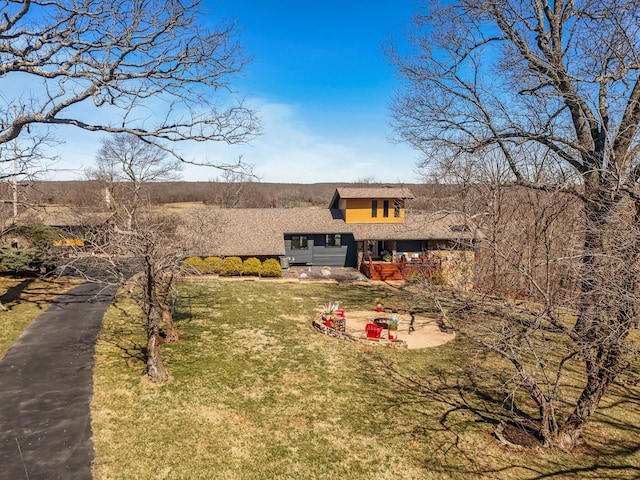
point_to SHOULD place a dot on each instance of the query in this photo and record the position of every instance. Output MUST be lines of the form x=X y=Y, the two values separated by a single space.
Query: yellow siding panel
x=69 y=242
x=359 y=210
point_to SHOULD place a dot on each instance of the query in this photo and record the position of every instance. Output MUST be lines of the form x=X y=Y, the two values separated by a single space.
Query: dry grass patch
x=25 y=299
x=255 y=392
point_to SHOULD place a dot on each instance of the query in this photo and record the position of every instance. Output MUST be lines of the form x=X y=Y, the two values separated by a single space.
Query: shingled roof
x=374 y=192
x=61 y=216
x=261 y=231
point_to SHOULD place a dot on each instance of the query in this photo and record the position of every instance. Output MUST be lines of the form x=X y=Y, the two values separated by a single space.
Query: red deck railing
x=380 y=270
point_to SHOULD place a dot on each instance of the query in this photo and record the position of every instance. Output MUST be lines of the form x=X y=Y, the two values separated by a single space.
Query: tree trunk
x=167 y=318
x=571 y=432
x=163 y=286
x=155 y=367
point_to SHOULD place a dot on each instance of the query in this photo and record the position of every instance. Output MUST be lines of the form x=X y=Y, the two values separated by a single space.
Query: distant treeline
x=223 y=194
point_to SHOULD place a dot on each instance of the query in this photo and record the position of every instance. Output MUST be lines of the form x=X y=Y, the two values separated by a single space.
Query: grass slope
x=256 y=393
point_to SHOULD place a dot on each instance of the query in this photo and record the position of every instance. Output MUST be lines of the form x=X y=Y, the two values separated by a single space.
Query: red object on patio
x=340 y=313
x=373 y=330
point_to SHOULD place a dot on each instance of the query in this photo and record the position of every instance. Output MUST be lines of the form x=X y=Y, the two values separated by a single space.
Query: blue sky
x=321 y=85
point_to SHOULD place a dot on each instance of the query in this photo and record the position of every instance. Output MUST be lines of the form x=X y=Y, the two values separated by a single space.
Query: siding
x=299 y=257
x=358 y=210
x=319 y=254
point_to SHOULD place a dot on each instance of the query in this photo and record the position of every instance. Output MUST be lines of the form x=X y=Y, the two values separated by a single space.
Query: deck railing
x=380 y=270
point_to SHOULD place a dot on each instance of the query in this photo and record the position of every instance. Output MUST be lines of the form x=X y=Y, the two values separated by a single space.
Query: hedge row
x=233 y=266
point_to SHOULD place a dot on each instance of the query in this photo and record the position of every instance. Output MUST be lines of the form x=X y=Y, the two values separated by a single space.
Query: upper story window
x=299 y=242
x=385 y=208
x=396 y=208
x=333 y=240
x=374 y=208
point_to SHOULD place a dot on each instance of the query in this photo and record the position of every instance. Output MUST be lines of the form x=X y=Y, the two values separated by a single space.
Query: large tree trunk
x=155 y=367
x=163 y=294
x=607 y=304
x=172 y=335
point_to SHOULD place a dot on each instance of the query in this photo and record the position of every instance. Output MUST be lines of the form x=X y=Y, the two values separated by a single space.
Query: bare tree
x=152 y=244
x=124 y=165
x=146 y=68
x=230 y=190
x=550 y=91
x=149 y=66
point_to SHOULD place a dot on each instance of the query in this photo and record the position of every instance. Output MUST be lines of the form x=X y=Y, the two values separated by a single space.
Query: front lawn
x=256 y=393
x=24 y=299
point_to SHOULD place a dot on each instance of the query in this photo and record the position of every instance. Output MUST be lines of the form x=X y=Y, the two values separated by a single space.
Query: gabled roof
x=261 y=231
x=369 y=192
x=374 y=192
x=61 y=216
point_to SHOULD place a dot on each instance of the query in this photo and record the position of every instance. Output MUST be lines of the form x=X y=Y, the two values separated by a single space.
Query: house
x=367 y=228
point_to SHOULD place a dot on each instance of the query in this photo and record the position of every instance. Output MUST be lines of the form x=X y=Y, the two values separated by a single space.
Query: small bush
x=252 y=266
x=438 y=278
x=192 y=264
x=271 y=268
x=231 y=266
x=212 y=264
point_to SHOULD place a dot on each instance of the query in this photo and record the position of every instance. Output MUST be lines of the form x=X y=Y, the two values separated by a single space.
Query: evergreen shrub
x=252 y=266
x=271 y=268
x=193 y=264
x=231 y=266
x=212 y=264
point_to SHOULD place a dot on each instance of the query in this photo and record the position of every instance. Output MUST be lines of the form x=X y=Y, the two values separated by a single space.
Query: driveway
x=45 y=390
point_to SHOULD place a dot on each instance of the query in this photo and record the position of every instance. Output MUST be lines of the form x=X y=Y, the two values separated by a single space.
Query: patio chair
x=373 y=331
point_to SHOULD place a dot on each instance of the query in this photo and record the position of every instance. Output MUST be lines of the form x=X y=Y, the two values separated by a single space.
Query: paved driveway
x=45 y=390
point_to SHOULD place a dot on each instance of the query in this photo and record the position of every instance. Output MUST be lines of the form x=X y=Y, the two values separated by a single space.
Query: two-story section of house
x=371 y=205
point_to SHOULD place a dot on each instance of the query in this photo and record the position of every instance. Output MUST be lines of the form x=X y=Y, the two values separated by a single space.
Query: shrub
x=192 y=264
x=271 y=268
x=38 y=234
x=212 y=264
x=438 y=278
x=231 y=266
x=18 y=261
x=252 y=266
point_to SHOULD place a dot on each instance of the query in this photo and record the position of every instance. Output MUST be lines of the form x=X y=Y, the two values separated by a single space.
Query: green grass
x=25 y=299
x=256 y=393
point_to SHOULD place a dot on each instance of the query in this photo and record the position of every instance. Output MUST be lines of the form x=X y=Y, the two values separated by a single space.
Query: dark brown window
x=396 y=208
x=374 y=208
x=385 y=208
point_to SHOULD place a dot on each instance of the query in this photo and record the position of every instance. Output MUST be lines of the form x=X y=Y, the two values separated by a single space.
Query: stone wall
x=457 y=267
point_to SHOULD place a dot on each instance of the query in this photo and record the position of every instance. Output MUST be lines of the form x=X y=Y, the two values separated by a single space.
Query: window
x=299 y=242
x=396 y=208
x=374 y=208
x=333 y=240
x=385 y=208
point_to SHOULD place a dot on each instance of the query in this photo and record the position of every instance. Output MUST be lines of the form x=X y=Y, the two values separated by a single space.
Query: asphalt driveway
x=46 y=387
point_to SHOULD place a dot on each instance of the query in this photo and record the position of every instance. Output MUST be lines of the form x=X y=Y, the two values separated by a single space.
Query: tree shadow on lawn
x=443 y=409
x=13 y=293
x=117 y=336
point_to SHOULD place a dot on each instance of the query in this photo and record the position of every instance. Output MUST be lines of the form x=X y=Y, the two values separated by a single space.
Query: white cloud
x=292 y=151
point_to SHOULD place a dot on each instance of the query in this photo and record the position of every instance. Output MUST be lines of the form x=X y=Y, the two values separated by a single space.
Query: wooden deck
x=392 y=271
